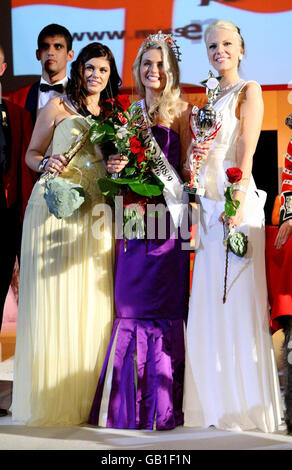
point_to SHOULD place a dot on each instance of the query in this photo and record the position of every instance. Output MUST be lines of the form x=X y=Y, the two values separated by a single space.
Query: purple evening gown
x=141 y=383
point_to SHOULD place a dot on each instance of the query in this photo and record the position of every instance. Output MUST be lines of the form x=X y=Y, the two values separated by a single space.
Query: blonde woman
x=231 y=378
x=141 y=385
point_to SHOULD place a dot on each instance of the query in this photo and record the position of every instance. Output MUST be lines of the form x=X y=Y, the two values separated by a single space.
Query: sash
x=173 y=193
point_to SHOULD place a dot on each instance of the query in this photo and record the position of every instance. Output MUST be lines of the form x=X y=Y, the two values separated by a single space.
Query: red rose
x=123 y=101
x=133 y=200
x=122 y=118
x=141 y=155
x=135 y=145
x=234 y=175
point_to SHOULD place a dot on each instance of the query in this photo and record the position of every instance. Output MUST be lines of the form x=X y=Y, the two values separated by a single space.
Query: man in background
x=16 y=183
x=54 y=52
x=279 y=275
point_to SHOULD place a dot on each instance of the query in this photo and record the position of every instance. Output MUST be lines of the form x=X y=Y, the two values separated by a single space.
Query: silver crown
x=168 y=39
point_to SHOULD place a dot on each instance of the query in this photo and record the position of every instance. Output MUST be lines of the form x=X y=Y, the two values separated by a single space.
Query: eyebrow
x=150 y=60
x=46 y=44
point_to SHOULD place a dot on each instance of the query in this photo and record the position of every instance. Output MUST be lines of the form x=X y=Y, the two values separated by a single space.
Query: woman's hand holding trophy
x=204 y=125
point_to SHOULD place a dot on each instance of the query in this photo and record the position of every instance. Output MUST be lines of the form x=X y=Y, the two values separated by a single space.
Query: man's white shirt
x=45 y=96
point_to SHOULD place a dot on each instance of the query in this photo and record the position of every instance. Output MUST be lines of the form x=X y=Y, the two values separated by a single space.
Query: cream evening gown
x=231 y=379
x=65 y=309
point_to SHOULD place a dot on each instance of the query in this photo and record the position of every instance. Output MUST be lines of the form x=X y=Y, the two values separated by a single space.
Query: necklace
x=231 y=85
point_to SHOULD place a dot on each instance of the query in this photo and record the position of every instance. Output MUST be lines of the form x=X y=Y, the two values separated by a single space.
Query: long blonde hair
x=164 y=108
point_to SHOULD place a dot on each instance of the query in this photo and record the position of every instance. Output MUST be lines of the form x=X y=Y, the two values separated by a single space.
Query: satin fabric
x=231 y=377
x=141 y=384
x=65 y=311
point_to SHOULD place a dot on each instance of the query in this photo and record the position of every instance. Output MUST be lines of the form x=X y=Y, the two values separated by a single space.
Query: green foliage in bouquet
x=118 y=125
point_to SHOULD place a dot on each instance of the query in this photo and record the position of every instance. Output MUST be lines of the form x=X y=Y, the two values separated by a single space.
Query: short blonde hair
x=164 y=108
x=223 y=24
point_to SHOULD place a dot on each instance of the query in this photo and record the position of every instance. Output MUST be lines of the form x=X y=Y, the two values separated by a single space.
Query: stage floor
x=14 y=436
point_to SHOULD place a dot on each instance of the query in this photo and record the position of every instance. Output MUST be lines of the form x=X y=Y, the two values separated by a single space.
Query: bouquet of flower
x=136 y=182
x=234 y=241
x=63 y=197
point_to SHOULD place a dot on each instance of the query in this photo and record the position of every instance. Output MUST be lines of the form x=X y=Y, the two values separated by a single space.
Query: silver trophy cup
x=204 y=125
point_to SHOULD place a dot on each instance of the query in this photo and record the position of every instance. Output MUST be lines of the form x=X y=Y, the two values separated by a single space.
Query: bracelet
x=42 y=164
x=238 y=187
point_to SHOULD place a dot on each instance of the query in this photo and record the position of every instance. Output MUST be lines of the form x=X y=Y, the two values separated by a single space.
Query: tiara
x=164 y=38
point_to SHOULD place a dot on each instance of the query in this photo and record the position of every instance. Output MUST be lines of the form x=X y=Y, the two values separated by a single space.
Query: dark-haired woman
x=66 y=301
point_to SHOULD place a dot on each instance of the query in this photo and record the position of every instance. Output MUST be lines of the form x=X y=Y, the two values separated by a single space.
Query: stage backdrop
x=122 y=25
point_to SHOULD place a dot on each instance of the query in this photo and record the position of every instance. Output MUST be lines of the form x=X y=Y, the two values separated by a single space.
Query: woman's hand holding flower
x=235 y=220
x=116 y=163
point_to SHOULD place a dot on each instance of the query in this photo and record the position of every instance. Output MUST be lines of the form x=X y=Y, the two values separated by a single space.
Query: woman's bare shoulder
x=54 y=110
x=250 y=90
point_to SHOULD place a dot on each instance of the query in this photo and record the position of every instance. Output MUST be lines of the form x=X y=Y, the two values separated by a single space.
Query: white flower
x=122 y=132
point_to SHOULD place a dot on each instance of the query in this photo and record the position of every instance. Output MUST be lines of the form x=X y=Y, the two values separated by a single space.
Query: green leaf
x=108 y=129
x=108 y=186
x=101 y=133
x=145 y=189
x=126 y=180
x=236 y=203
x=130 y=170
x=230 y=210
x=158 y=182
x=229 y=193
x=96 y=135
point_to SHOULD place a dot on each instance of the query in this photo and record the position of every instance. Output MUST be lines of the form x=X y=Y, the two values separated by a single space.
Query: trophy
x=204 y=125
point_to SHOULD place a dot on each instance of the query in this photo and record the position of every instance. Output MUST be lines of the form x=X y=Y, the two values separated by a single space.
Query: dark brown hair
x=52 y=30
x=75 y=89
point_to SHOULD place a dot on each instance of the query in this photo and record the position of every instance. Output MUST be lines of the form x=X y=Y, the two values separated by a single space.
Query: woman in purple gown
x=141 y=384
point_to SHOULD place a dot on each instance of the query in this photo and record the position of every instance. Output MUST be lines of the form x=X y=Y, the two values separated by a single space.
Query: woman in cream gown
x=65 y=310
x=231 y=377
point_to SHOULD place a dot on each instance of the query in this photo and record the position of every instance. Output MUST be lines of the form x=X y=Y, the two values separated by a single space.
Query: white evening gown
x=231 y=378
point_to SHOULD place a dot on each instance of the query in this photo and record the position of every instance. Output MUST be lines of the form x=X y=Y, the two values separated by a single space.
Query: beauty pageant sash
x=173 y=193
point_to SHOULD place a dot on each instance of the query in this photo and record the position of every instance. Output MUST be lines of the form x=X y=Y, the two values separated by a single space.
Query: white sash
x=173 y=193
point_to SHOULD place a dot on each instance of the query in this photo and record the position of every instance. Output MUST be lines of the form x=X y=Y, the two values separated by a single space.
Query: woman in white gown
x=65 y=309
x=231 y=379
